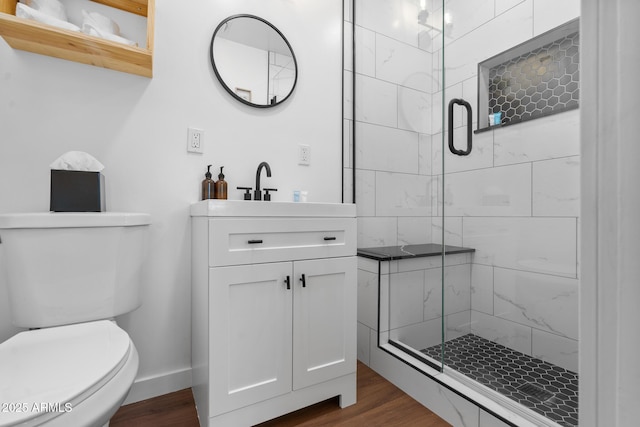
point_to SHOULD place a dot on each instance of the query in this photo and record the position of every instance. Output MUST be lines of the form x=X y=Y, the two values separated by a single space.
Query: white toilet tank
x=65 y=268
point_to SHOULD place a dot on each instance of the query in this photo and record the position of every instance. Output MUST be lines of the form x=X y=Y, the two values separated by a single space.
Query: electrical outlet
x=304 y=154
x=195 y=140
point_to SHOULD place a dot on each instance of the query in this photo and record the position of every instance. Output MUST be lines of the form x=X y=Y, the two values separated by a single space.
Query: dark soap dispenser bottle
x=221 y=186
x=208 y=186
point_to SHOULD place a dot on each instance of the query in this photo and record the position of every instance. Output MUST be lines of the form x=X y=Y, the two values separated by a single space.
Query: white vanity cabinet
x=273 y=308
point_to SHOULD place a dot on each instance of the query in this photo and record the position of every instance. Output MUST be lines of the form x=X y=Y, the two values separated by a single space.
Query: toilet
x=68 y=276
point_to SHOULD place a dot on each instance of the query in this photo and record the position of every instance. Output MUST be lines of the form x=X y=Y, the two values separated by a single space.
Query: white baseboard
x=157 y=385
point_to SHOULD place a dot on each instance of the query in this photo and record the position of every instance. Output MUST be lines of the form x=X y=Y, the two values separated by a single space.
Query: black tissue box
x=77 y=191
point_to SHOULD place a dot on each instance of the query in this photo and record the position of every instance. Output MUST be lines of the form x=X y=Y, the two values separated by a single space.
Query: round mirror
x=253 y=61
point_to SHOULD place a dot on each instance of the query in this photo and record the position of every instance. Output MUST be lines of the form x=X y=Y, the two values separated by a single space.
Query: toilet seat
x=48 y=372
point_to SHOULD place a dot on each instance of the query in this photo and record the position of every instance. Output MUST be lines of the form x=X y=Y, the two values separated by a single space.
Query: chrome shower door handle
x=467 y=106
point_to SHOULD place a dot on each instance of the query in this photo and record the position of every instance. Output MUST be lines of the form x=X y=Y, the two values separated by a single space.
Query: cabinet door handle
x=253 y=242
x=304 y=281
x=330 y=238
x=288 y=282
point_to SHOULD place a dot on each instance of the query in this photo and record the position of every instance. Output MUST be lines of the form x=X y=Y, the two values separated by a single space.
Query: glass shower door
x=506 y=166
x=394 y=82
x=466 y=133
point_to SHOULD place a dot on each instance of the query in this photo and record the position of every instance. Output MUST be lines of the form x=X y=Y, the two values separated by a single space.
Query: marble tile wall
x=411 y=299
x=515 y=198
x=392 y=121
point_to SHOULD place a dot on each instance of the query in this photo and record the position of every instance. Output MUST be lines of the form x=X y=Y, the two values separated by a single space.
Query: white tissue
x=77 y=161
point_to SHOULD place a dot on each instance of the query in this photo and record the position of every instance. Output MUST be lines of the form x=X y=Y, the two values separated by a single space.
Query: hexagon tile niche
x=535 y=79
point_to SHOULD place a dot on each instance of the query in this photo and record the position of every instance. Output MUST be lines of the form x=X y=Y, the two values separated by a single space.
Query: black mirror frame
x=220 y=79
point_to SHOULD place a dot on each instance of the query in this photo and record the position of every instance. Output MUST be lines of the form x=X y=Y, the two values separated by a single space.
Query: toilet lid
x=53 y=369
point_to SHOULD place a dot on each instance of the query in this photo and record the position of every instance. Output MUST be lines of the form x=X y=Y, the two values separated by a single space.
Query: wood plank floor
x=380 y=403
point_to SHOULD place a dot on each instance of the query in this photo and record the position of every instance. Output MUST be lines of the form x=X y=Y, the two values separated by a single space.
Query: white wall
x=137 y=127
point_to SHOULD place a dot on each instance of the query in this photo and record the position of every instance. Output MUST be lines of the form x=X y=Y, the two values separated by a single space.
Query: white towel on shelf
x=53 y=8
x=92 y=31
x=24 y=11
x=98 y=25
x=101 y=23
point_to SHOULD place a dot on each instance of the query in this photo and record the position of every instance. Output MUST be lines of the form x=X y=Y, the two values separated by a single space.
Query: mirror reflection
x=253 y=61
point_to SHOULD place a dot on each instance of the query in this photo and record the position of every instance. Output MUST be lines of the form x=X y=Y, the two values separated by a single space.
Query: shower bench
x=392 y=253
x=400 y=295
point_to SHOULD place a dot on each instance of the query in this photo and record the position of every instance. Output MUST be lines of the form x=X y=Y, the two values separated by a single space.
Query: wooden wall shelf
x=74 y=46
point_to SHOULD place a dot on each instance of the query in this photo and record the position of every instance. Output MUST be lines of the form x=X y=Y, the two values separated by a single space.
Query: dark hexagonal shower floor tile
x=544 y=388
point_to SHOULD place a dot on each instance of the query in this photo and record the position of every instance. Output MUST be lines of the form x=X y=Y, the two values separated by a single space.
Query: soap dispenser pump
x=208 y=186
x=221 y=186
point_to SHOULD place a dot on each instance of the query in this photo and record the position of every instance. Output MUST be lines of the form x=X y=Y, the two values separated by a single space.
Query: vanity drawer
x=235 y=241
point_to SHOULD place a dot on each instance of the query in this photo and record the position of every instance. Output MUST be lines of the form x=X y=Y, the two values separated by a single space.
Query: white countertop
x=251 y=208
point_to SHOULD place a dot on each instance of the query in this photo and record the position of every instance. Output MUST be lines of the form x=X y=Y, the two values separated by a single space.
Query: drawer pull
x=329 y=238
x=253 y=242
x=304 y=281
x=288 y=282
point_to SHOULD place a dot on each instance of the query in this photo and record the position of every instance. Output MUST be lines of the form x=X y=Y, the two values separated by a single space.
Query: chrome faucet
x=257 y=194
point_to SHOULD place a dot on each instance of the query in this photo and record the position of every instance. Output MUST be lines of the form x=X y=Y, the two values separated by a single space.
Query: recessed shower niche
x=535 y=79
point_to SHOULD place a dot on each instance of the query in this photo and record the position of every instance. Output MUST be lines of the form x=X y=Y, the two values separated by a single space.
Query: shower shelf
x=534 y=79
x=515 y=122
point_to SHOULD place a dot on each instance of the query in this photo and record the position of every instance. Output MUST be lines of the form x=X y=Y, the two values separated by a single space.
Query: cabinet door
x=324 y=320
x=250 y=343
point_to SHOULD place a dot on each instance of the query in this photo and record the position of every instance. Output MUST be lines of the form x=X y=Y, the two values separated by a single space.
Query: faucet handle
x=247 y=192
x=267 y=196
